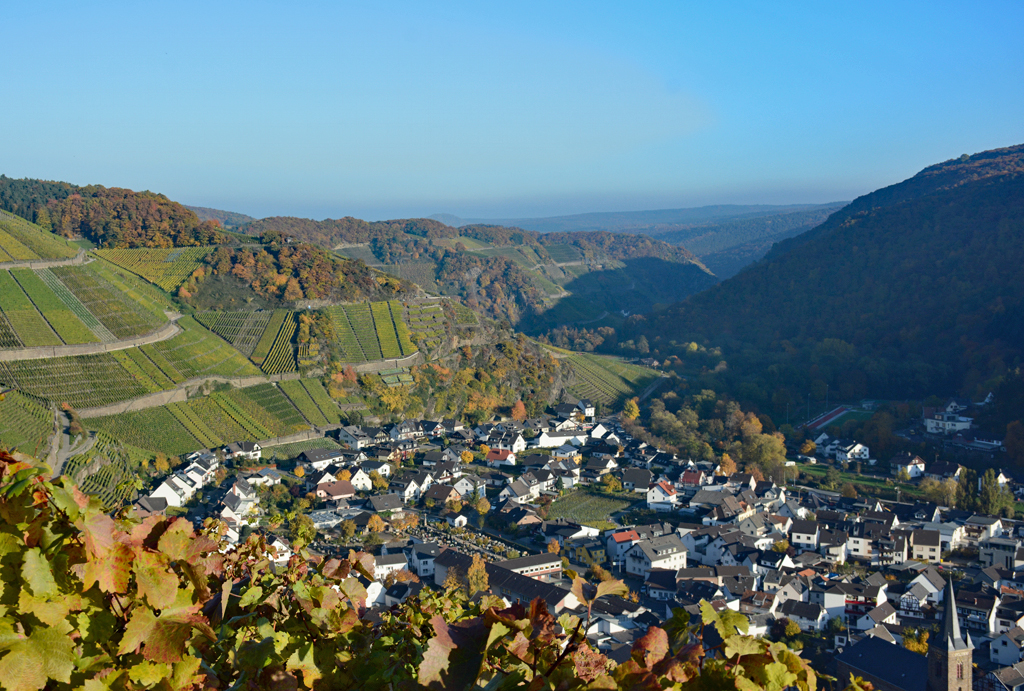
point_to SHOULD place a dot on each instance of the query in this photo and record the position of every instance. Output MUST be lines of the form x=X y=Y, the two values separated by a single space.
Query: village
x=856 y=582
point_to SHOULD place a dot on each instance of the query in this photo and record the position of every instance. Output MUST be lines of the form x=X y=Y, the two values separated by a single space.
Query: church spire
x=951 y=637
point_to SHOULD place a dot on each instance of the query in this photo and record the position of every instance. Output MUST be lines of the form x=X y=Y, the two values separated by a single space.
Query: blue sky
x=389 y=110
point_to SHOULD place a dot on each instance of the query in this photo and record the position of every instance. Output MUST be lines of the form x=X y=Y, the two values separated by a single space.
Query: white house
x=913 y=465
x=361 y=480
x=387 y=564
x=665 y=552
x=852 y=452
x=947 y=423
x=1006 y=649
x=661 y=496
x=243 y=450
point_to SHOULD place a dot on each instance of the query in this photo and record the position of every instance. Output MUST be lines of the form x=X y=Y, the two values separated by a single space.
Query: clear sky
x=389 y=109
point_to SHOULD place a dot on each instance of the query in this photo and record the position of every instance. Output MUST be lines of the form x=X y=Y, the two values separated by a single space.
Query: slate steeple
x=951 y=638
x=950 y=654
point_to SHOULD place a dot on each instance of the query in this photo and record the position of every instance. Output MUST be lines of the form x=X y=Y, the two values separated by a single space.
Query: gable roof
x=890 y=663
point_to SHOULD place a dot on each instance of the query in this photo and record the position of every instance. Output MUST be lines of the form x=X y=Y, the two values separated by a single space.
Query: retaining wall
x=168 y=330
x=45 y=263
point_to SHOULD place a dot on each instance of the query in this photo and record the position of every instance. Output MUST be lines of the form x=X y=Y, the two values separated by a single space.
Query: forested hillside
x=533 y=280
x=229 y=219
x=915 y=289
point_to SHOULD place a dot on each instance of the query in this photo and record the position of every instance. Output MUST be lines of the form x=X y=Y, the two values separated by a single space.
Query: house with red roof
x=500 y=457
x=619 y=542
x=662 y=496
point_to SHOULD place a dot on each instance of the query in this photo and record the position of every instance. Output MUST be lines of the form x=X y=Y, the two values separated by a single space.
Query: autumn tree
x=376 y=524
x=301 y=530
x=345 y=475
x=466 y=456
x=916 y=640
x=482 y=506
x=379 y=482
x=611 y=483
x=726 y=466
x=781 y=546
x=554 y=547
x=476 y=576
x=161 y=464
x=300 y=472
x=631 y=411
x=808 y=448
x=348 y=529
x=849 y=491
x=519 y=411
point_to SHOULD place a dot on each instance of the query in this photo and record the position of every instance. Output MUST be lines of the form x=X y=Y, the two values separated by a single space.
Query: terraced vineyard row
x=114 y=481
x=344 y=337
x=401 y=330
x=167 y=268
x=117 y=312
x=24 y=318
x=8 y=336
x=385 y=328
x=195 y=425
x=281 y=358
x=288 y=451
x=133 y=288
x=267 y=405
x=301 y=399
x=361 y=319
x=241 y=329
x=427 y=322
x=323 y=400
x=68 y=326
x=136 y=371
x=598 y=382
x=199 y=353
x=76 y=306
x=25 y=423
x=83 y=381
x=266 y=341
x=156 y=429
x=21 y=240
x=253 y=430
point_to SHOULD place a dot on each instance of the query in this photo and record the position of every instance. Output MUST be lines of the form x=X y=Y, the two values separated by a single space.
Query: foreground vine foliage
x=93 y=602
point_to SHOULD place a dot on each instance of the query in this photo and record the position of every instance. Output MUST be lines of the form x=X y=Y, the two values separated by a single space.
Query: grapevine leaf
x=731 y=622
x=109 y=571
x=140 y=626
x=778 y=676
x=436 y=656
x=176 y=539
x=745 y=684
x=36 y=572
x=46 y=654
x=589 y=663
x=354 y=591
x=611 y=587
x=652 y=648
x=742 y=645
x=498 y=630
x=302 y=661
x=250 y=596
x=98 y=532
x=155 y=582
x=149 y=673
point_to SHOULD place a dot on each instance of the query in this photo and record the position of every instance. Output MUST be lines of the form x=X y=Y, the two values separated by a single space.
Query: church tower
x=950 y=656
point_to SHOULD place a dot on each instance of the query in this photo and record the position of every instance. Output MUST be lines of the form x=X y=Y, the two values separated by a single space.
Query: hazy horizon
x=505 y=111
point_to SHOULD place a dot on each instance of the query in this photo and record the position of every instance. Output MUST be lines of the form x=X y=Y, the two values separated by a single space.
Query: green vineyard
x=22 y=316
x=83 y=381
x=24 y=241
x=75 y=305
x=155 y=429
x=288 y=451
x=323 y=400
x=607 y=380
x=281 y=357
x=118 y=314
x=167 y=268
x=108 y=470
x=25 y=423
x=241 y=329
x=68 y=326
x=198 y=353
x=370 y=331
x=301 y=399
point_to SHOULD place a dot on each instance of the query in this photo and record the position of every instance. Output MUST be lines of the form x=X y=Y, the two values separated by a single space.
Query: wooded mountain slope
x=915 y=289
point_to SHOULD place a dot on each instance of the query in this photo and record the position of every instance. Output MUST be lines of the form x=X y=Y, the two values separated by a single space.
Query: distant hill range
x=725 y=237
x=530 y=279
x=914 y=289
x=229 y=219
